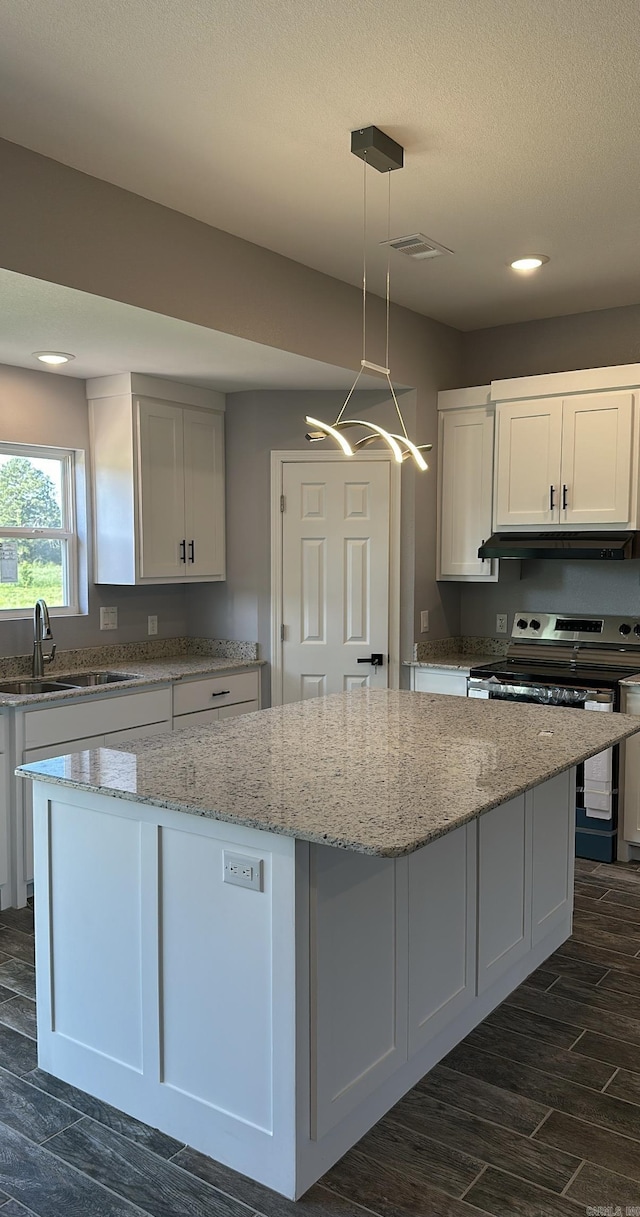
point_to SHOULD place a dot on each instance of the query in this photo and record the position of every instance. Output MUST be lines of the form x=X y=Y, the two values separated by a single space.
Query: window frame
x=67 y=533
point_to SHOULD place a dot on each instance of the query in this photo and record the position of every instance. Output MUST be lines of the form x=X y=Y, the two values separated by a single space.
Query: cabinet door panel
x=44 y=754
x=442 y=922
x=553 y=847
x=161 y=520
x=596 y=458
x=204 y=493
x=454 y=683
x=528 y=462
x=466 y=478
x=504 y=889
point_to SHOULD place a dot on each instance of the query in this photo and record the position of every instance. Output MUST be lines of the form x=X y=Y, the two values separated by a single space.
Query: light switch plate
x=424 y=621
x=108 y=618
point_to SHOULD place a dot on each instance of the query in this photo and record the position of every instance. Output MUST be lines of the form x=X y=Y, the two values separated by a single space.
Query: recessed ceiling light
x=531 y=263
x=53 y=356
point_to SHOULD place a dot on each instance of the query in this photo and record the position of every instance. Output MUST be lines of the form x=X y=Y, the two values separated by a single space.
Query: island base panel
x=271 y=1029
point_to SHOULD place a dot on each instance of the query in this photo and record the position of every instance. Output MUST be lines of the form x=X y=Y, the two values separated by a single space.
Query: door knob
x=375 y=661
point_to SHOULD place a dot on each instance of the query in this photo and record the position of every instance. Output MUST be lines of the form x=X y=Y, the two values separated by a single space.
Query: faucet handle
x=51 y=656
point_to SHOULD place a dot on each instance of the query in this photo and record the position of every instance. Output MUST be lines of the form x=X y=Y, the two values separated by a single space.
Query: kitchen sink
x=77 y=680
x=20 y=687
x=81 y=680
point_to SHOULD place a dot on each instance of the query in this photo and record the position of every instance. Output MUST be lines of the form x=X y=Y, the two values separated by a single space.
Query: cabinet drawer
x=242 y=707
x=214 y=691
x=199 y=718
x=74 y=720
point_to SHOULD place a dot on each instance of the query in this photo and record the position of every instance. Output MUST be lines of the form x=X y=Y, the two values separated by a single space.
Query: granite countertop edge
x=461 y=659
x=396 y=848
x=144 y=672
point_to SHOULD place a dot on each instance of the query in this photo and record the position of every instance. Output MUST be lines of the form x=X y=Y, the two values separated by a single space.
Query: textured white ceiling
x=107 y=336
x=520 y=120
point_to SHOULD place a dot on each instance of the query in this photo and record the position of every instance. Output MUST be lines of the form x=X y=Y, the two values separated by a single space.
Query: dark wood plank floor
x=535 y=1114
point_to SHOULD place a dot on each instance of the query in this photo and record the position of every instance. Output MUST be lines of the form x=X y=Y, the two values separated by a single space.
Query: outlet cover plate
x=501 y=623
x=152 y=624
x=243 y=870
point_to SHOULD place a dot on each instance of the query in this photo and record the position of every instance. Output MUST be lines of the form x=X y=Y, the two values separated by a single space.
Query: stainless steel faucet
x=41 y=631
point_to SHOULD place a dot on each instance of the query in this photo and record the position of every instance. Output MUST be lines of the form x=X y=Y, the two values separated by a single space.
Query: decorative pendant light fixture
x=384 y=154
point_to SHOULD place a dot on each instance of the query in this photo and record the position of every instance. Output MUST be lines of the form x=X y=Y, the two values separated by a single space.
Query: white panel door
x=335 y=576
x=161 y=476
x=466 y=489
x=596 y=459
x=528 y=462
x=204 y=493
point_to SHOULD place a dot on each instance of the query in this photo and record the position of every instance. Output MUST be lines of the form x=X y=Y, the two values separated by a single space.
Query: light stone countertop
x=378 y=772
x=145 y=672
x=455 y=660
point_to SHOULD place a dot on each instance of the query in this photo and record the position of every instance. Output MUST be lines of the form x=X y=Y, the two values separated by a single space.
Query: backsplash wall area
x=565 y=587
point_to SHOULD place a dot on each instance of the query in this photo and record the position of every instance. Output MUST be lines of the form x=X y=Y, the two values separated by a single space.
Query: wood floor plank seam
x=613 y=1075
x=539 y=1126
x=573 y=1178
x=473 y=1182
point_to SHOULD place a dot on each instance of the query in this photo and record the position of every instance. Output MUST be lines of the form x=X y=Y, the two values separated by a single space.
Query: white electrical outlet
x=152 y=624
x=108 y=618
x=501 y=623
x=242 y=870
x=424 y=621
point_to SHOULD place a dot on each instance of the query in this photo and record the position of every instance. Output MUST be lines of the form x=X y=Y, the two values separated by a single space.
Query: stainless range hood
x=585 y=546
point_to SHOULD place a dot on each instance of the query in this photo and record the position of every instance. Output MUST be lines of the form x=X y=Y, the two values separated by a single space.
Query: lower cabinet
x=5 y=805
x=440 y=680
x=201 y=701
x=630 y=770
x=404 y=953
x=77 y=726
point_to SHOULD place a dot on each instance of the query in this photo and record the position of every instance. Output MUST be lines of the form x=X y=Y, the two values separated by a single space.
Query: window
x=38 y=539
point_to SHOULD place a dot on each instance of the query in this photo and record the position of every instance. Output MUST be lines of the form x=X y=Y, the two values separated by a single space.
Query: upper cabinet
x=158 y=481
x=465 y=479
x=566 y=461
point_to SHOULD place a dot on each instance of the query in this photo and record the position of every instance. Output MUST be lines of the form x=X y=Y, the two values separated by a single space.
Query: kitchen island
x=258 y=936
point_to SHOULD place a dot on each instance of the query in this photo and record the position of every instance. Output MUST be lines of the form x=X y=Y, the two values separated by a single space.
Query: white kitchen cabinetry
x=440 y=680
x=5 y=818
x=77 y=726
x=198 y=702
x=630 y=774
x=566 y=462
x=158 y=481
x=465 y=484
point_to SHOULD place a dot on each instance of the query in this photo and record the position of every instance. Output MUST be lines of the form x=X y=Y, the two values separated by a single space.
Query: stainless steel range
x=575 y=661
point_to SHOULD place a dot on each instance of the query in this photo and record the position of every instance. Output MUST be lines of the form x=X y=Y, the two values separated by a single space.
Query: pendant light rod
x=384 y=154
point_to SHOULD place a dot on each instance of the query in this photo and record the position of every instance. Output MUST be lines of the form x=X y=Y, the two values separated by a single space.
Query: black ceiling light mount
x=377 y=149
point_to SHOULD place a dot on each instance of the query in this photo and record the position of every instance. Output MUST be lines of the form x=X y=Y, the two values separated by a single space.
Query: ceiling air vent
x=418 y=246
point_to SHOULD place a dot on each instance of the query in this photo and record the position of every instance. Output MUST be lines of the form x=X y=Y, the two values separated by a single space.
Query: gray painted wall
x=584 y=340
x=557 y=344
x=158 y=259
x=49 y=409
x=257 y=424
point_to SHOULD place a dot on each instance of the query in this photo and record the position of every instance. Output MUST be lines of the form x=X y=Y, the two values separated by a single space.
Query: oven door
x=596 y=779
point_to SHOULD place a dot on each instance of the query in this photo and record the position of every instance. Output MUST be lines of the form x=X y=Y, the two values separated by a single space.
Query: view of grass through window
x=30 y=497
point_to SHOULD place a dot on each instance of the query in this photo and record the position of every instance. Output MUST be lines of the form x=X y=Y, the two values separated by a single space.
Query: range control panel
x=557 y=627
